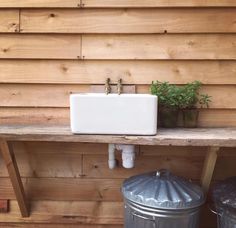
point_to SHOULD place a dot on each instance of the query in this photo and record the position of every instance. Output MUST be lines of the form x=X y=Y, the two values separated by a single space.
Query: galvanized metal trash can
x=161 y=200
x=224 y=197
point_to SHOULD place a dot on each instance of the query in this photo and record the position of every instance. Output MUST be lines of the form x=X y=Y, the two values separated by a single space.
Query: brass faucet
x=108 y=86
x=119 y=86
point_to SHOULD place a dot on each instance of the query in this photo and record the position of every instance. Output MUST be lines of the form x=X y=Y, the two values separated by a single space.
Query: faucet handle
x=108 y=86
x=119 y=86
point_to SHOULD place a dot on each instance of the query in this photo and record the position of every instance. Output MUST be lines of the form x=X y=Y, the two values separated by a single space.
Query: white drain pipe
x=128 y=155
x=111 y=156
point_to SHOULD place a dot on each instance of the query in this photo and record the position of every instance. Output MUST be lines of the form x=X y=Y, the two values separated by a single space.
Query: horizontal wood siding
x=9 y=21
x=114 y=3
x=139 y=21
x=40 y=47
x=132 y=72
x=52 y=116
x=52 y=48
x=158 y=3
x=39 y=3
x=36 y=95
x=200 y=46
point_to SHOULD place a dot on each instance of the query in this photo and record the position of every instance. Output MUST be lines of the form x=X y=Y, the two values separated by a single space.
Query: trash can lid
x=163 y=190
x=224 y=193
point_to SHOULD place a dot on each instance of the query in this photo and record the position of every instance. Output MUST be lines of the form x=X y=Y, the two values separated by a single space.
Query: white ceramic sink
x=129 y=114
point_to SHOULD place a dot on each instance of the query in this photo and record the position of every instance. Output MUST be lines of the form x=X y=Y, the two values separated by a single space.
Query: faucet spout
x=107 y=86
x=119 y=86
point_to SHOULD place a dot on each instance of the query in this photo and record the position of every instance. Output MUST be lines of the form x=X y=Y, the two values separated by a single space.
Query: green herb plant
x=180 y=97
x=189 y=96
x=167 y=94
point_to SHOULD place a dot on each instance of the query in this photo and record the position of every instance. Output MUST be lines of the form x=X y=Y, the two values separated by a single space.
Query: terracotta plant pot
x=168 y=117
x=190 y=118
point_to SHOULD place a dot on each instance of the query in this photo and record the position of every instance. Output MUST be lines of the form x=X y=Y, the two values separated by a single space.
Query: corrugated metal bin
x=161 y=200
x=224 y=196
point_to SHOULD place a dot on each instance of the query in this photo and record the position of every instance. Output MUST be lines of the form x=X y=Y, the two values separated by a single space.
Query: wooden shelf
x=213 y=138
x=217 y=137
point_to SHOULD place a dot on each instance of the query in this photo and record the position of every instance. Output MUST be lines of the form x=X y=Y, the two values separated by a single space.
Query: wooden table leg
x=10 y=161
x=208 y=168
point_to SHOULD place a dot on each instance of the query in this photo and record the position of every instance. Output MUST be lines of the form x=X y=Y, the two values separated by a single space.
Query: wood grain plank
x=63 y=160
x=67 y=212
x=217 y=118
x=10 y=162
x=55 y=116
x=95 y=166
x=225 y=165
x=140 y=20
x=191 y=46
x=73 y=189
x=219 y=95
x=69 y=221
x=40 y=46
x=217 y=137
x=158 y=3
x=62 y=148
x=36 y=95
x=9 y=21
x=131 y=72
x=38 y=3
x=34 y=116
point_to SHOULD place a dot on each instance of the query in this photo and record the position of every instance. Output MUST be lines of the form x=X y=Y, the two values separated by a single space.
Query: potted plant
x=168 y=102
x=189 y=98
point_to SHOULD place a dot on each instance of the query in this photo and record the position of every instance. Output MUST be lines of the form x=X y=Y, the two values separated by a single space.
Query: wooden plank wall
x=50 y=48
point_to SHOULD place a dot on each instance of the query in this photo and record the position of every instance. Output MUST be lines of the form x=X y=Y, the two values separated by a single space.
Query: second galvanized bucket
x=161 y=200
x=224 y=197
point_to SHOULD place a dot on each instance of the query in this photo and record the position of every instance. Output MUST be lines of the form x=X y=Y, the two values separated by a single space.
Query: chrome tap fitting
x=107 y=86
x=119 y=86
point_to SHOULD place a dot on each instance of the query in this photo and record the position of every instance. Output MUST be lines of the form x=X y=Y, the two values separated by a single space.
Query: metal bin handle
x=145 y=218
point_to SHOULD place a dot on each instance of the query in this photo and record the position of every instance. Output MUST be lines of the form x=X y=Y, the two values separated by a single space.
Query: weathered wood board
x=131 y=71
x=148 y=47
x=39 y=3
x=140 y=21
x=40 y=47
x=158 y=3
x=9 y=21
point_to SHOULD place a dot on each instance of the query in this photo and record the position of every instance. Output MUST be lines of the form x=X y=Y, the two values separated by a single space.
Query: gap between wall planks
x=140 y=20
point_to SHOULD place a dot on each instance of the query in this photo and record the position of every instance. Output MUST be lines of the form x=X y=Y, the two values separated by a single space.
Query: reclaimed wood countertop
x=219 y=137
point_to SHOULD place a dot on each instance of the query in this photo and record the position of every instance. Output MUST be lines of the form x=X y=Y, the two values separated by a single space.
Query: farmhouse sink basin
x=129 y=114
